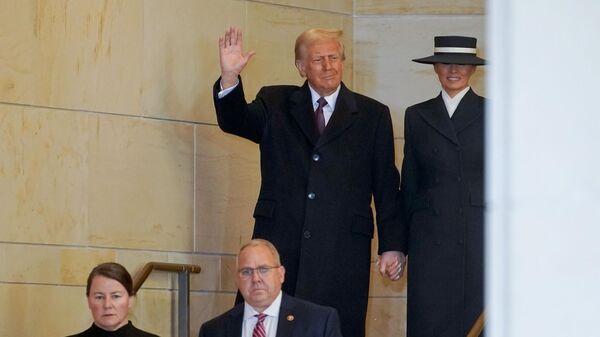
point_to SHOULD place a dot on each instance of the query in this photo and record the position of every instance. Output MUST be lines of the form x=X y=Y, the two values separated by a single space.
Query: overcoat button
x=311 y=195
x=306 y=234
x=316 y=157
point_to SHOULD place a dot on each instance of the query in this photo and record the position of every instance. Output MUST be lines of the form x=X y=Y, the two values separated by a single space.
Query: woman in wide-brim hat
x=442 y=188
x=454 y=61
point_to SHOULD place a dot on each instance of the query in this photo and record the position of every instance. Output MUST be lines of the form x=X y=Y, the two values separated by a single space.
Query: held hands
x=232 y=57
x=391 y=264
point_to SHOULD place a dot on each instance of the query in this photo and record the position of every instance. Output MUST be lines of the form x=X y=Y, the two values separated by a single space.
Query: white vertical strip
x=544 y=187
x=497 y=174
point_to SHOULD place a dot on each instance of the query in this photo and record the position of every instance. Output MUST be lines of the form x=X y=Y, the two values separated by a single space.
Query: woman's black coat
x=442 y=189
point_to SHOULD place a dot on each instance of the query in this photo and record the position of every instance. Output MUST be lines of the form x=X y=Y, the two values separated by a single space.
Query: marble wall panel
x=227 y=184
x=56 y=311
x=60 y=265
x=385 y=46
x=337 y=6
x=140 y=183
x=43 y=175
x=348 y=28
x=18 y=51
x=272 y=33
x=382 y=286
x=228 y=273
x=155 y=311
x=386 y=317
x=81 y=55
x=399 y=148
x=387 y=7
x=45 y=264
x=181 y=55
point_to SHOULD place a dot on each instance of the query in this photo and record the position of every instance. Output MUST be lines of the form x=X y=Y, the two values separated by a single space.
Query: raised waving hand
x=232 y=57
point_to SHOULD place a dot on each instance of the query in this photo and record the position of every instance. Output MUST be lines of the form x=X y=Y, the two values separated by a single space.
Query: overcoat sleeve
x=385 y=189
x=410 y=171
x=237 y=117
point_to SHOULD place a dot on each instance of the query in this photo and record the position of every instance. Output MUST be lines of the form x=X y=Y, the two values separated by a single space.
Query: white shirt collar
x=331 y=101
x=272 y=310
x=452 y=102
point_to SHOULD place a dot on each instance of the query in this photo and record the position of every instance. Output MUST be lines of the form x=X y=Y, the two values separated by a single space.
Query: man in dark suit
x=325 y=153
x=267 y=311
x=442 y=188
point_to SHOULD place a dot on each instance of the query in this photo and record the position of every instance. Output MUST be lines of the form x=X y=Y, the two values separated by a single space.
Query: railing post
x=183 y=274
x=184 y=304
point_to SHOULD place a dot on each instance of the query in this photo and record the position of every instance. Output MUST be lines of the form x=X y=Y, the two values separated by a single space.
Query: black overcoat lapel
x=302 y=111
x=344 y=115
x=439 y=119
x=467 y=112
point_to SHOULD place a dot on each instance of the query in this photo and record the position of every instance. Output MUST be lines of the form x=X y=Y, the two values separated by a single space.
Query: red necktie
x=319 y=118
x=259 y=328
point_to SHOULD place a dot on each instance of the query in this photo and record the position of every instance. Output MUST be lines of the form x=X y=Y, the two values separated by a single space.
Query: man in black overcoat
x=321 y=166
x=442 y=188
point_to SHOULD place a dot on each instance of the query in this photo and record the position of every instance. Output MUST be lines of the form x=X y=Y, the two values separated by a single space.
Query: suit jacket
x=297 y=318
x=442 y=187
x=315 y=196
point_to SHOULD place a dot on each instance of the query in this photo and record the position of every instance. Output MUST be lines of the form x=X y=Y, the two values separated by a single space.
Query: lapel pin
x=290 y=318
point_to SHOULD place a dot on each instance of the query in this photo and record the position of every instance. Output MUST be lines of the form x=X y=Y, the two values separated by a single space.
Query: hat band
x=455 y=50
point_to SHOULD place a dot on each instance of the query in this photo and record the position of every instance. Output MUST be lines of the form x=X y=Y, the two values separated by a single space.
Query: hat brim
x=452 y=58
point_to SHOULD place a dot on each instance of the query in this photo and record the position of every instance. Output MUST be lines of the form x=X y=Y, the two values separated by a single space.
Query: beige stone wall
x=109 y=148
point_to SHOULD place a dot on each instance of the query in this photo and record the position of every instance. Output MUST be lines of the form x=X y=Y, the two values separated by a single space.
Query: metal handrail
x=141 y=276
x=183 y=274
x=477 y=327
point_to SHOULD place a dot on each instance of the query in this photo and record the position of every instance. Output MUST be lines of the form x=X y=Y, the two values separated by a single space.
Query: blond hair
x=315 y=35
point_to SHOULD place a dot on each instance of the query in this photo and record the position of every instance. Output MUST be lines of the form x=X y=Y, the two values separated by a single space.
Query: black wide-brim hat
x=453 y=50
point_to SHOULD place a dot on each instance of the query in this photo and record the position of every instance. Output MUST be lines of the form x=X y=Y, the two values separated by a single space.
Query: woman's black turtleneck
x=127 y=330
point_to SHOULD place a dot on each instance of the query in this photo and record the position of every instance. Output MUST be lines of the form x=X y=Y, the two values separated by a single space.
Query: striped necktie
x=259 y=328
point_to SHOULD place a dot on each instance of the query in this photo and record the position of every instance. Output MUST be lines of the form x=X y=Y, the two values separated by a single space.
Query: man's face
x=323 y=65
x=258 y=288
x=454 y=77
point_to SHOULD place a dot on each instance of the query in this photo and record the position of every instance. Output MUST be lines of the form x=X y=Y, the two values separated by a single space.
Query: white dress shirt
x=452 y=102
x=331 y=100
x=270 y=322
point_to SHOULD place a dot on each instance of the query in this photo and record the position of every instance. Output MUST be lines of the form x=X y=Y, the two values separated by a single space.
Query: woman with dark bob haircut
x=110 y=294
